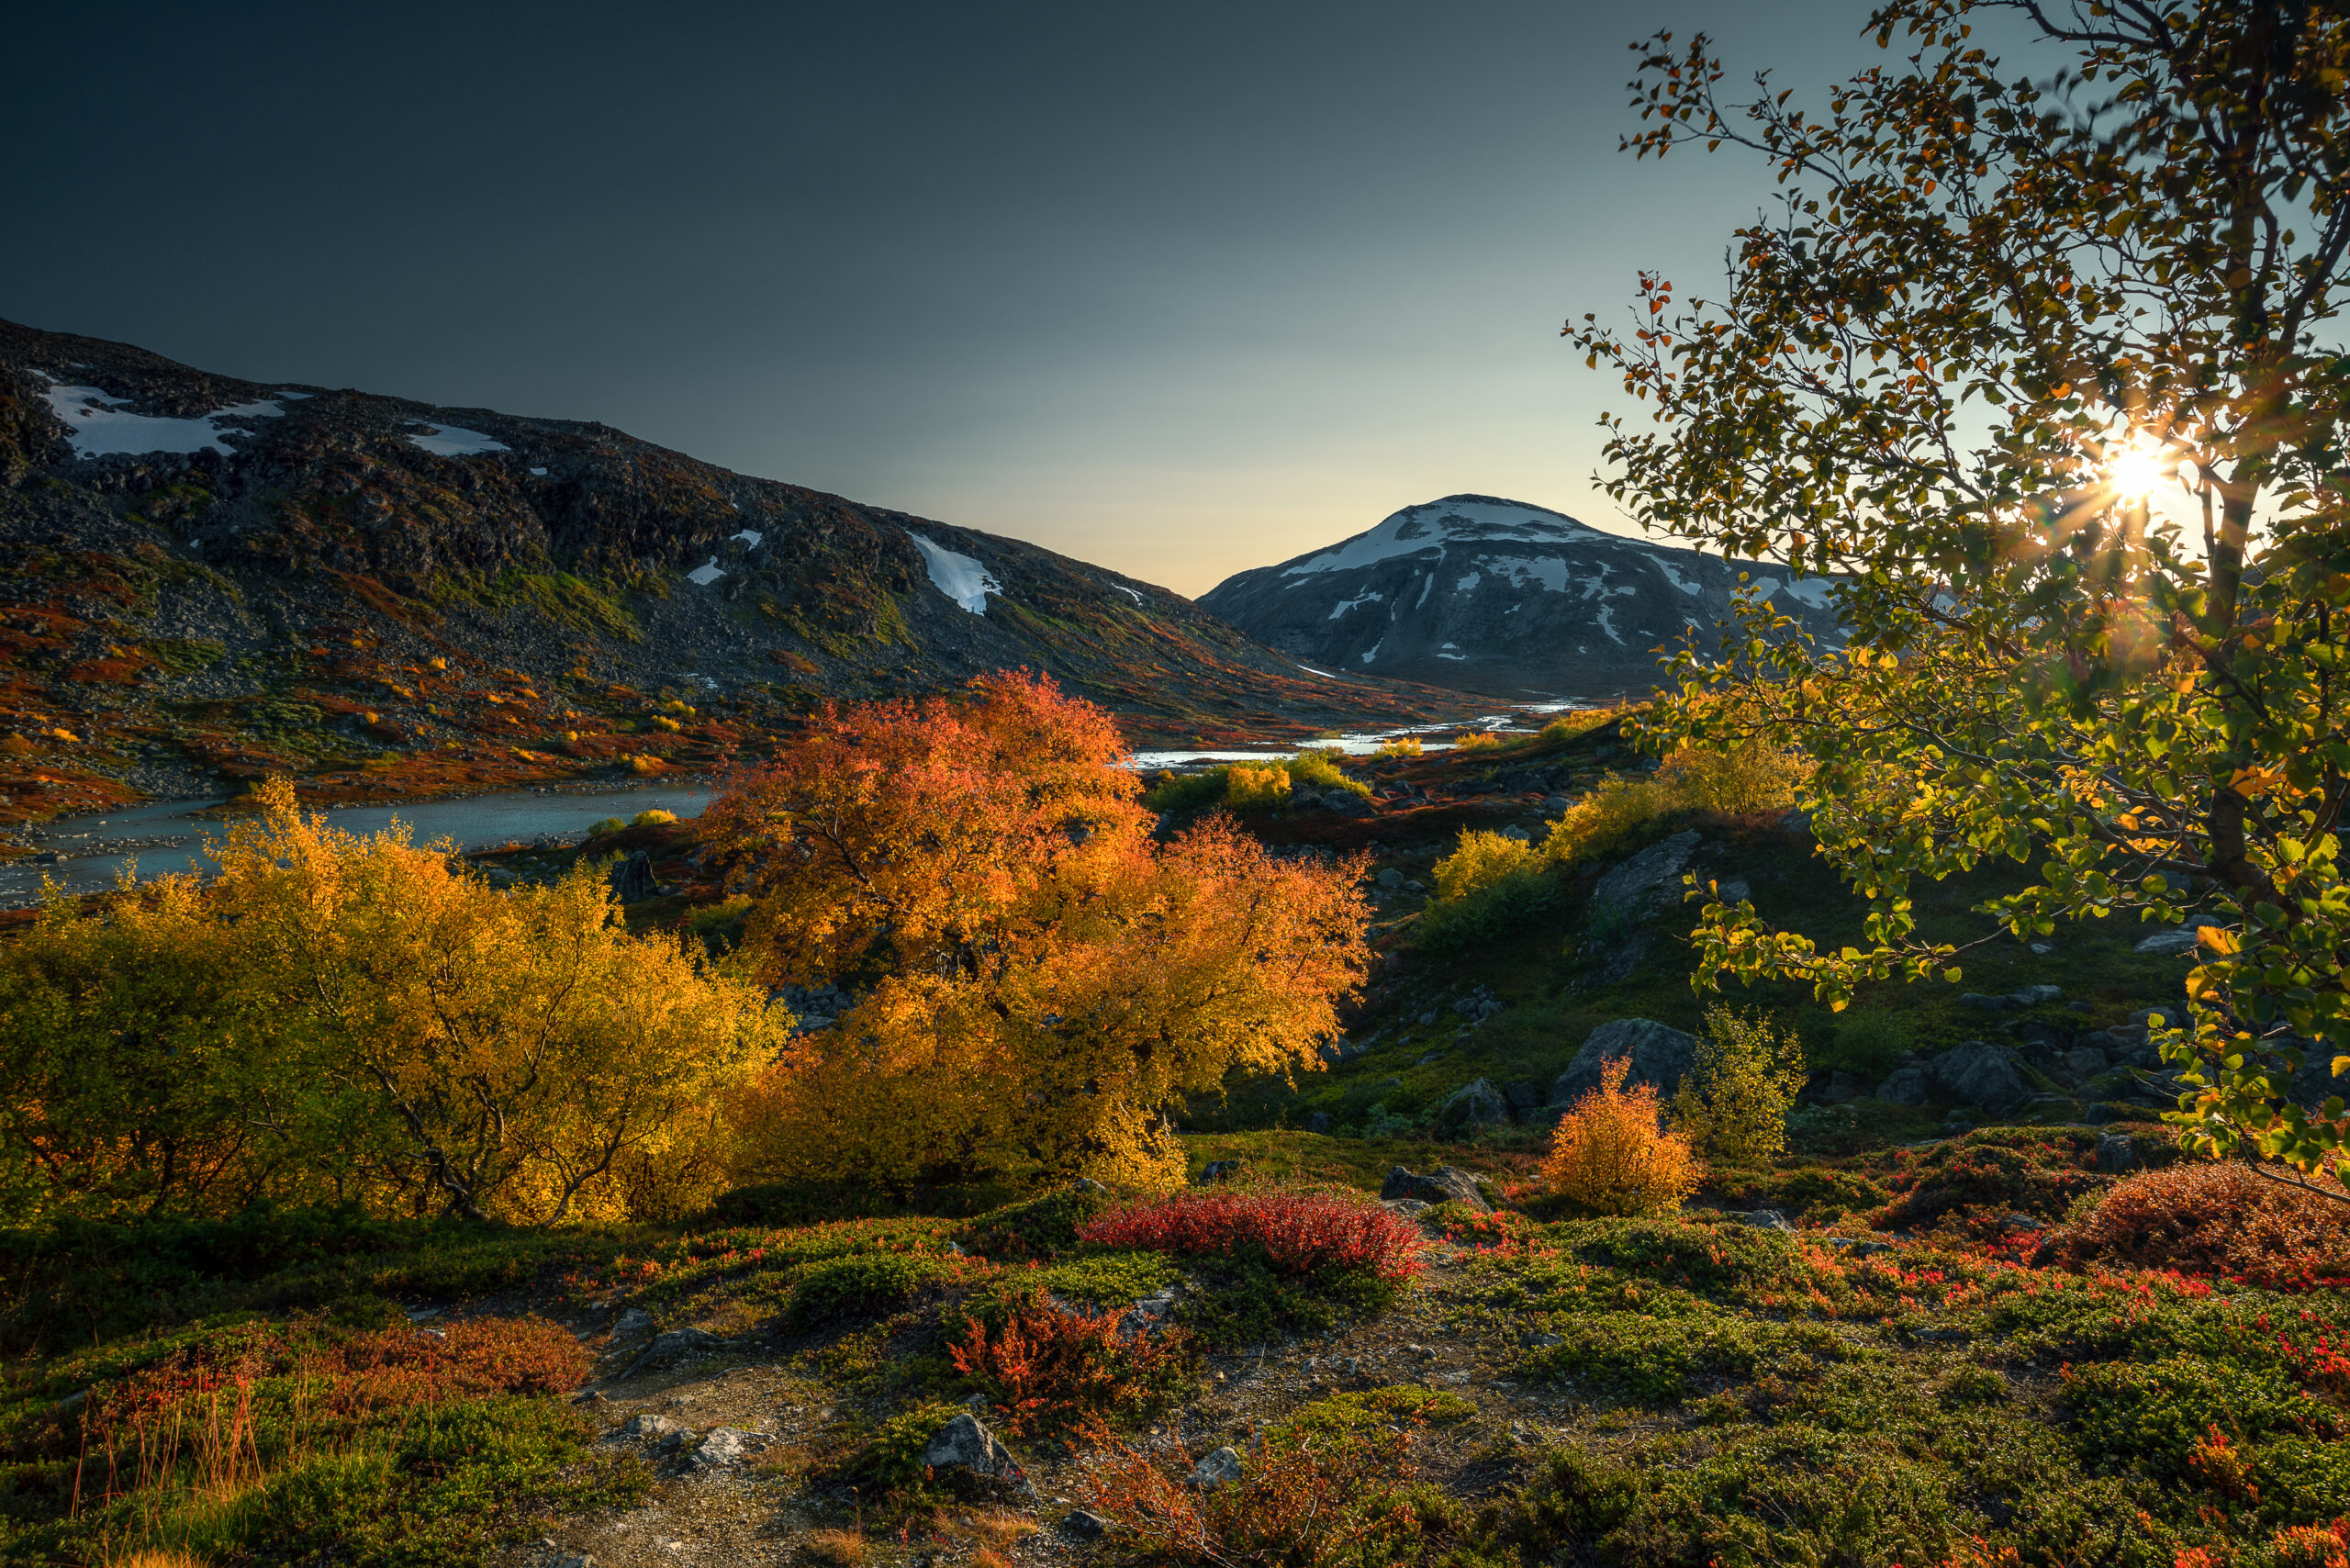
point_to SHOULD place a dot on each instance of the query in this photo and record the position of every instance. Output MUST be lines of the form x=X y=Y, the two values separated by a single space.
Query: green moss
x=863 y=1287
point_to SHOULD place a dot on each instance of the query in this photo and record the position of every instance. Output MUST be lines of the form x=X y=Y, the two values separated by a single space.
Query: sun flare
x=2135 y=469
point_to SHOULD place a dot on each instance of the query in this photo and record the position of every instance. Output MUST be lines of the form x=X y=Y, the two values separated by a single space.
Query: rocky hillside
x=203 y=577
x=1498 y=596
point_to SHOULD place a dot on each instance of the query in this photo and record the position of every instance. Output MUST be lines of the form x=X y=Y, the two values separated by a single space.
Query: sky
x=1179 y=290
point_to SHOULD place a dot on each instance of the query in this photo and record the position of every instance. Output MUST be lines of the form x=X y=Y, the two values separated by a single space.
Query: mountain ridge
x=1500 y=598
x=210 y=579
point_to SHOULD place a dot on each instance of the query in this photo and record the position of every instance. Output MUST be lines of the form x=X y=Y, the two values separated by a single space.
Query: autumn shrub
x=1396 y=747
x=1487 y=886
x=651 y=819
x=1039 y=975
x=346 y=1017
x=1621 y=812
x=1732 y=1104
x=2217 y=1218
x=1319 y=771
x=1609 y=1155
x=604 y=827
x=1051 y=1366
x=1475 y=740
x=1970 y=1186
x=1295 y=1233
x=1247 y=789
x=1305 y=1498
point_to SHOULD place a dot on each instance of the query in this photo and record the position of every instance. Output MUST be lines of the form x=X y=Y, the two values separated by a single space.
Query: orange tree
x=1994 y=309
x=1038 y=979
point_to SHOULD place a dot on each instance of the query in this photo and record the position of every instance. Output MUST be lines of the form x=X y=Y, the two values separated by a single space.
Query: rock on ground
x=1660 y=1056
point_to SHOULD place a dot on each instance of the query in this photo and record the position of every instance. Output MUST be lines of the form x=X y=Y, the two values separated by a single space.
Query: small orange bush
x=2313 y=1546
x=2222 y=1219
x=1611 y=1154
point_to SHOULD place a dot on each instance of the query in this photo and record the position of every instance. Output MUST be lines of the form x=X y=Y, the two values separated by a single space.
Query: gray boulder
x=1346 y=803
x=1649 y=882
x=633 y=878
x=646 y=1427
x=2167 y=945
x=2117 y=1154
x=1318 y=1123
x=1390 y=879
x=1476 y=1104
x=1977 y=1073
x=1660 y=1056
x=964 y=1443
x=1763 y=1219
x=1447 y=1185
x=724 y=1447
x=1906 y=1086
x=1220 y=1467
x=676 y=1348
x=635 y=1324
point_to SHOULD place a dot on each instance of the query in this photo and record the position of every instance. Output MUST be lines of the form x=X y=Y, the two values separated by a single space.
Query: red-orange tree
x=1038 y=979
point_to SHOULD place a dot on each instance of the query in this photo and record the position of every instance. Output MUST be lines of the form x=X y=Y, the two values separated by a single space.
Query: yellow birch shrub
x=1611 y=1154
x=1733 y=1101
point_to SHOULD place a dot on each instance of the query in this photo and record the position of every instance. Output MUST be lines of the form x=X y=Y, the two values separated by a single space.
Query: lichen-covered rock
x=1977 y=1073
x=1649 y=882
x=1480 y=1103
x=1660 y=1056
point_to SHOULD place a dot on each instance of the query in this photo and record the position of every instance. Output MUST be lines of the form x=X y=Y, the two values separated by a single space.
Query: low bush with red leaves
x=1304 y=1498
x=2223 y=1220
x=1051 y=1367
x=1296 y=1234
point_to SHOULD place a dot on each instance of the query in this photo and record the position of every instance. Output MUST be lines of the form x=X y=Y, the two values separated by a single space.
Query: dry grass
x=839 y=1548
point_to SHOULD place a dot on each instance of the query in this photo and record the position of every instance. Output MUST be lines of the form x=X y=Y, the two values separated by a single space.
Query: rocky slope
x=204 y=577
x=1498 y=596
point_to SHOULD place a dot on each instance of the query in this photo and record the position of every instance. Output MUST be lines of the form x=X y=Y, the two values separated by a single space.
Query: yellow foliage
x=340 y=1016
x=1247 y=789
x=1610 y=1156
x=1399 y=746
x=1475 y=740
x=1733 y=1101
x=664 y=724
x=644 y=762
x=1480 y=860
x=651 y=819
x=1745 y=782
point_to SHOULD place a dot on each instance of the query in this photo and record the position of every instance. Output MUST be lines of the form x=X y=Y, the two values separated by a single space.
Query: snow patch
x=97 y=426
x=1813 y=591
x=959 y=577
x=1457 y=657
x=1369 y=596
x=540 y=472
x=1672 y=575
x=1425 y=589
x=1137 y=597
x=1607 y=622
x=448 y=441
x=1467 y=584
x=752 y=537
x=705 y=575
x=1323 y=672
x=1374 y=650
x=1551 y=572
x=1464 y=519
x=1452 y=645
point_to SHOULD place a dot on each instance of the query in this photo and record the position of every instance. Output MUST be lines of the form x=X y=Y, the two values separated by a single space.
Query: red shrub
x=1298 y=1233
x=2313 y=1546
x=1050 y=1366
x=480 y=1356
x=2217 y=1219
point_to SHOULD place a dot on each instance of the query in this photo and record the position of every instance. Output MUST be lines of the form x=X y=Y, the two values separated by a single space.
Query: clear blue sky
x=1181 y=289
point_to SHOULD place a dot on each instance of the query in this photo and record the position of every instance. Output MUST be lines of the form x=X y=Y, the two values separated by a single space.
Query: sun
x=2133 y=471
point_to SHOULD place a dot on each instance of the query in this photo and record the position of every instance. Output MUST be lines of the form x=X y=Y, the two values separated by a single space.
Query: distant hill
x=1497 y=596
x=203 y=576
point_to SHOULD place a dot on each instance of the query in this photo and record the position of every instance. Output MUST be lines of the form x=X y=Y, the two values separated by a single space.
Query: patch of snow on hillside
x=1813 y=591
x=1456 y=657
x=1369 y=596
x=1672 y=575
x=448 y=441
x=1439 y=524
x=1137 y=597
x=97 y=425
x=705 y=575
x=1425 y=589
x=1551 y=572
x=959 y=577
x=1323 y=672
x=752 y=537
x=1374 y=652
x=540 y=473
x=1607 y=621
x=1468 y=584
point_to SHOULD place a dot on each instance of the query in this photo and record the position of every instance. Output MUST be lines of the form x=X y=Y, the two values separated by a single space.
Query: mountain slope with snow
x=1500 y=598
